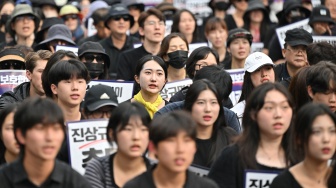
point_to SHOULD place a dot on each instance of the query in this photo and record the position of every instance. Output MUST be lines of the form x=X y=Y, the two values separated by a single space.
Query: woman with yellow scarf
x=151 y=75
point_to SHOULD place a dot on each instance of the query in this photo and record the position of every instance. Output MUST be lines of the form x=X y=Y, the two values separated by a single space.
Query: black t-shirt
x=128 y=61
x=202 y=154
x=230 y=22
x=227 y=170
x=114 y=53
x=62 y=176
x=281 y=72
x=285 y=179
x=145 y=180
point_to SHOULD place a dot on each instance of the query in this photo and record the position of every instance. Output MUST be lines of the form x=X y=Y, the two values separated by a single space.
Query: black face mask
x=95 y=69
x=297 y=18
x=4 y=18
x=222 y=5
x=178 y=59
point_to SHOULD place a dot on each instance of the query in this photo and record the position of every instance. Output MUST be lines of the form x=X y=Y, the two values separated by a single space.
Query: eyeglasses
x=72 y=16
x=100 y=113
x=152 y=23
x=297 y=50
x=125 y=17
x=90 y=57
x=25 y=17
x=17 y=65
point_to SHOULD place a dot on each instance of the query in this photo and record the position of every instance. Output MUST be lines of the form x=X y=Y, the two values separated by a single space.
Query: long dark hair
x=3 y=114
x=217 y=137
x=250 y=138
x=176 y=23
x=302 y=128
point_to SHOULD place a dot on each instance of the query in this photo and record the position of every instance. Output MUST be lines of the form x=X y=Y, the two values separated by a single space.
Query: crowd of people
x=283 y=126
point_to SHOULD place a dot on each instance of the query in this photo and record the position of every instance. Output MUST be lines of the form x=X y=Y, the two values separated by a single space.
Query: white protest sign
x=9 y=79
x=328 y=39
x=87 y=140
x=68 y=48
x=316 y=3
x=199 y=8
x=199 y=170
x=237 y=76
x=91 y=28
x=169 y=23
x=281 y=31
x=173 y=87
x=257 y=47
x=256 y=179
x=193 y=46
x=123 y=89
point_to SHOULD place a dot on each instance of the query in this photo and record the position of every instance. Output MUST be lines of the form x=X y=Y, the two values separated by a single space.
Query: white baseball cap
x=256 y=60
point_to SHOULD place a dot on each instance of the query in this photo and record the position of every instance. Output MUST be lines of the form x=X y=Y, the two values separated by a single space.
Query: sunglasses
x=72 y=16
x=125 y=17
x=17 y=65
x=25 y=17
x=90 y=57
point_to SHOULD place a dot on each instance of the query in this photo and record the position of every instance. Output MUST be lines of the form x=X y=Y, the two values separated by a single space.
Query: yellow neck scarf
x=151 y=107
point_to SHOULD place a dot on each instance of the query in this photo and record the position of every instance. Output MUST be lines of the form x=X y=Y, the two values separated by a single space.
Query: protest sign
x=123 y=89
x=173 y=87
x=237 y=76
x=259 y=178
x=257 y=47
x=329 y=39
x=67 y=48
x=87 y=140
x=281 y=31
x=9 y=79
x=91 y=28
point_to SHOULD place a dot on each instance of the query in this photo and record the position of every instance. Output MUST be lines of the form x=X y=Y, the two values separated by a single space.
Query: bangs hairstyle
x=199 y=54
x=152 y=11
x=166 y=42
x=170 y=124
x=322 y=77
x=35 y=111
x=121 y=116
x=54 y=58
x=249 y=140
x=68 y=69
x=215 y=23
x=303 y=125
x=147 y=58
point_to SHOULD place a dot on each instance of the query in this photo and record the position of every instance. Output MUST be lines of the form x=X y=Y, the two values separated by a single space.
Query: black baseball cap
x=98 y=96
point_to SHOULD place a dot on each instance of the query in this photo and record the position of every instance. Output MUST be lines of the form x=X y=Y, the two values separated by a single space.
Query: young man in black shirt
x=173 y=143
x=40 y=133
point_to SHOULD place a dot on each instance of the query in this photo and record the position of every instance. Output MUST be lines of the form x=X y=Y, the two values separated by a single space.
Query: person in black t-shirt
x=172 y=138
x=40 y=133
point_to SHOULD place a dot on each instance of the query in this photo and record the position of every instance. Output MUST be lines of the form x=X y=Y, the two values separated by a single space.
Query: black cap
x=12 y=54
x=118 y=10
x=93 y=47
x=320 y=14
x=47 y=23
x=297 y=36
x=238 y=33
x=98 y=96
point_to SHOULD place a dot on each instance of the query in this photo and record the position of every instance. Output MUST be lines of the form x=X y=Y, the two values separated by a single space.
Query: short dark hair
x=45 y=111
x=33 y=57
x=198 y=54
x=219 y=77
x=166 y=41
x=56 y=57
x=170 y=124
x=320 y=76
x=99 y=15
x=302 y=128
x=67 y=69
x=122 y=114
x=321 y=51
x=152 y=11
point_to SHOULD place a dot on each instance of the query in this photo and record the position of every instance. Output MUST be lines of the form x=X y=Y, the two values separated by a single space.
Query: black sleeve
x=124 y=68
x=274 y=47
x=224 y=171
x=282 y=180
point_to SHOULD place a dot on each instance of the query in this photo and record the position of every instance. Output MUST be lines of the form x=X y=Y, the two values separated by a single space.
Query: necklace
x=267 y=155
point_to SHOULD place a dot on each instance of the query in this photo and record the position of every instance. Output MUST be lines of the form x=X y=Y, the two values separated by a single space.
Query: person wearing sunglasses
x=99 y=102
x=34 y=63
x=119 y=21
x=72 y=19
x=93 y=55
